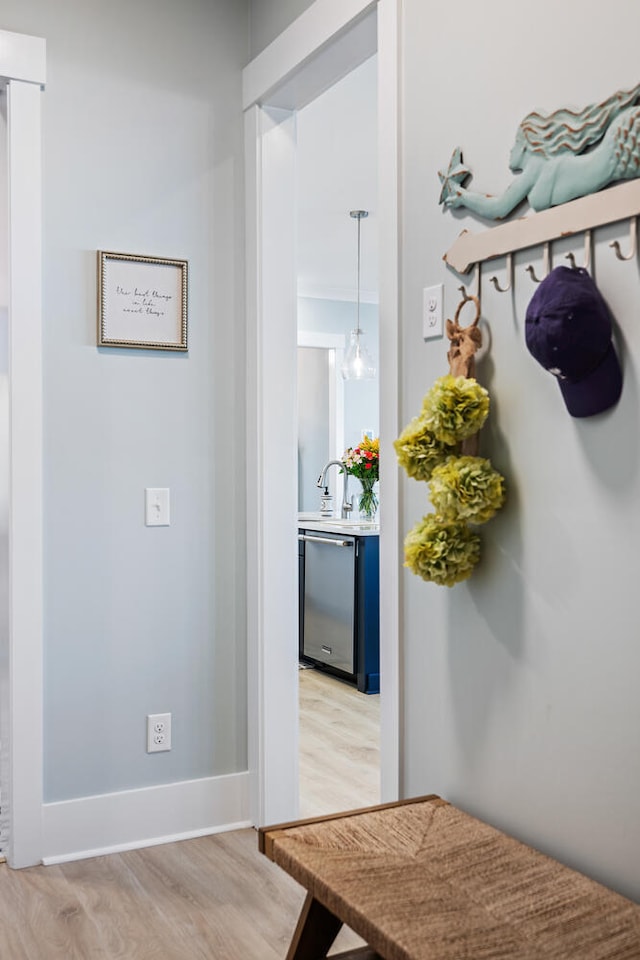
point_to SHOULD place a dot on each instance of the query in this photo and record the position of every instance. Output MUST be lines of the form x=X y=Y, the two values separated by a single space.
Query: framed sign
x=142 y=302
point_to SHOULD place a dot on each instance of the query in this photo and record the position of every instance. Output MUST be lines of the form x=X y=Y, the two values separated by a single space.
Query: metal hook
x=546 y=263
x=470 y=296
x=494 y=280
x=633 y=241
x=587 y=253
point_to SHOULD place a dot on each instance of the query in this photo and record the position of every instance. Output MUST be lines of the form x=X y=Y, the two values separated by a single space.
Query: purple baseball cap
x=568 y=330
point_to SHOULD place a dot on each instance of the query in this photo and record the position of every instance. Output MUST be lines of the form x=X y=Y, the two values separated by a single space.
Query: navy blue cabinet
x=339 y=613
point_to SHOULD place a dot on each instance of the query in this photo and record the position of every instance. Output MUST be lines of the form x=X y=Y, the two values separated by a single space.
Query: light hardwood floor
x=215 y=898
x=339 y=745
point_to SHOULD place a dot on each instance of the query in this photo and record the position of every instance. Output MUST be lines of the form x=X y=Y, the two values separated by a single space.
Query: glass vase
x=368 y=501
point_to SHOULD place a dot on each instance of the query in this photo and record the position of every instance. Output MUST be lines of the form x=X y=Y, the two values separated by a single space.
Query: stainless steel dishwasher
x=328 y=564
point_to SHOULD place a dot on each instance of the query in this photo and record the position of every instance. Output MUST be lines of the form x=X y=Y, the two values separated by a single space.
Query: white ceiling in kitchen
x=337 y=172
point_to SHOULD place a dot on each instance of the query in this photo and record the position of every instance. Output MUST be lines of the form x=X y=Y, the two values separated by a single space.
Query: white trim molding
x=337 y=343
x=272 y=568
x=22 y=57
x=22 y=70
x=130 y=819
x=389 y=205
x=327 y=40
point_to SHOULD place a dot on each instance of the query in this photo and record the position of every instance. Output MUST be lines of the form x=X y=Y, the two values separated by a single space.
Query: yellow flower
x=467 y=488
x=455 y=408
x=419 y=450
x=441 y=550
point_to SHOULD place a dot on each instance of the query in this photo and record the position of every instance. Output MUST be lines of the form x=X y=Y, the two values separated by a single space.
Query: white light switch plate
x=432 y=312
x=156 y=507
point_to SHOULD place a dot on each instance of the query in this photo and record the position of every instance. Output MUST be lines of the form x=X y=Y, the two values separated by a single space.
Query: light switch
x=432 y=310
x=156 y=507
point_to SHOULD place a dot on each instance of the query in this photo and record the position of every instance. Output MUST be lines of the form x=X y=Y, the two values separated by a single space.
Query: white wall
x=521 y=686
x=336 y=172
x=143 y=153
x=361 y=397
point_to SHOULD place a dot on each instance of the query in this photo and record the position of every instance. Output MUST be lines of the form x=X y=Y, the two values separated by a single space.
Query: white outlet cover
x=432 y=312
x=158 y=732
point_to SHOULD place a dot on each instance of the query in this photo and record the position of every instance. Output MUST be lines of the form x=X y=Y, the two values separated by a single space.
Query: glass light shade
x=357 y=363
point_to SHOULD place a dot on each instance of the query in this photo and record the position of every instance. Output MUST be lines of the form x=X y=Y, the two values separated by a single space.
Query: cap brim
x=596 y=392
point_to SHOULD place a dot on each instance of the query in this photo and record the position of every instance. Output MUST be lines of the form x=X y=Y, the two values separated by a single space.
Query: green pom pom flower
x=441 y=550
x=467 y=488
x=419 y=450
x=455 y=408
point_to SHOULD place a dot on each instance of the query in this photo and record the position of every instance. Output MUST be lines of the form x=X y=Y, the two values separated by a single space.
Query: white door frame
x=324 y=43
x=336 y=343
x=22 y=75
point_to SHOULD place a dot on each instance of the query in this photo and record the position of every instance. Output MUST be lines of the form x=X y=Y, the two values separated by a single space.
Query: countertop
x=353 y=528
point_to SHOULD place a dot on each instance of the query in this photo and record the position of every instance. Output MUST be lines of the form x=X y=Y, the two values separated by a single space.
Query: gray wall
x=268 y=18
x=143 y=153
x=521 y=687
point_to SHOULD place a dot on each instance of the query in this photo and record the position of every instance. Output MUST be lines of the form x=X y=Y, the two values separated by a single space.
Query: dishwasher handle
x=330 y=540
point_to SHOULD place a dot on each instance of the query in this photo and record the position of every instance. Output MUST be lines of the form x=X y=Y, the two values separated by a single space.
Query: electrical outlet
x=432 y=311
x=158 y=732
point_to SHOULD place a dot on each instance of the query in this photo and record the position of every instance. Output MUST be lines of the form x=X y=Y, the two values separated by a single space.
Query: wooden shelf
x=620 y=202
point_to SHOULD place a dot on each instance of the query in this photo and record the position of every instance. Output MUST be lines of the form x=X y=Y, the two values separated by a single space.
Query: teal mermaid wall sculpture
x=561 y=156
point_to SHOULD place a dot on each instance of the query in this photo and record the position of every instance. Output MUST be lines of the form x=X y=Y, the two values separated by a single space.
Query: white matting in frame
x=142 y=302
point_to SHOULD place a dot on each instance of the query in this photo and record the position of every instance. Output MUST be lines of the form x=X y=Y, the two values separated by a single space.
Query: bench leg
x=316 y=930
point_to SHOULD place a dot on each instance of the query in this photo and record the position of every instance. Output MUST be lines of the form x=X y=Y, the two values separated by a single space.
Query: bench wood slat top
x=425 y=881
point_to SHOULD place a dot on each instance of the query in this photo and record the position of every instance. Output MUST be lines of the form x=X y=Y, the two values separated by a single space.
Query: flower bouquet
x=363 y=463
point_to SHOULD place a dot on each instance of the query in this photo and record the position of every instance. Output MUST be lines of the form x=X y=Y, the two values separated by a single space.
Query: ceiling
x=337 y=172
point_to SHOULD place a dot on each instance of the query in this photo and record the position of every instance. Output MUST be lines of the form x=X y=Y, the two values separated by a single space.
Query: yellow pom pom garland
x=464 y=490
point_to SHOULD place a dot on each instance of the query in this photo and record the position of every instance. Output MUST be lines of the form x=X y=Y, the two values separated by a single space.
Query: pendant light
x=357 y=364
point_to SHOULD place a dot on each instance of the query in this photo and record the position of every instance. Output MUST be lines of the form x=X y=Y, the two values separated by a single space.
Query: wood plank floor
x=214 y=898
x=339 y=745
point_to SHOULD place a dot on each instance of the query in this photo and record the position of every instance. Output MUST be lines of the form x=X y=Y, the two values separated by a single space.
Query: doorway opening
x=321 y=47
x=337 y=291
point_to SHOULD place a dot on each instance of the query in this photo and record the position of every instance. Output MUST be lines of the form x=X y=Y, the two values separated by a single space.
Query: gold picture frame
x=142 y=301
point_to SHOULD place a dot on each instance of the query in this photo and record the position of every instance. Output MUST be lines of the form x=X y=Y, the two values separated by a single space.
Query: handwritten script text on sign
x=150 y=302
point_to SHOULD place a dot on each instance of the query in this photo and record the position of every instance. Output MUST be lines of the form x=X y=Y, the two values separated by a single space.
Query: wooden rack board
x=620 y=202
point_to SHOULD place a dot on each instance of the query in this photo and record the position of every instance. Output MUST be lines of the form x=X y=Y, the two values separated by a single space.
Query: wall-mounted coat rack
x=620 y=202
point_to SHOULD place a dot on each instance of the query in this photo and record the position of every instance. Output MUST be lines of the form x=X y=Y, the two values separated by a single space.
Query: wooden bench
x=421 y=880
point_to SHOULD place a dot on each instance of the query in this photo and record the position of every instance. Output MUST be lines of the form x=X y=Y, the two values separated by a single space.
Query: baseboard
x=112 y=822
